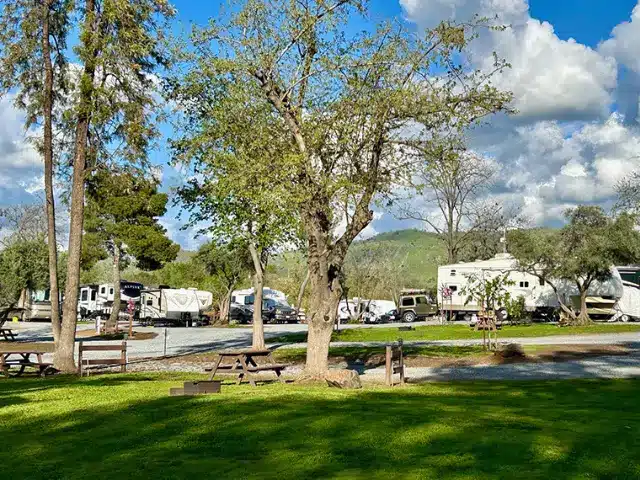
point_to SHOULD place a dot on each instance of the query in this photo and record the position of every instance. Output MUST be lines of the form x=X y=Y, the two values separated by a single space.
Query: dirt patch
x=91 y=335
x=563 y=353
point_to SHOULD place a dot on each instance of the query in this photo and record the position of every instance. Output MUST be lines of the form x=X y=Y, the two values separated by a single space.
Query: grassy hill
x=375 y=268
x=420 y=254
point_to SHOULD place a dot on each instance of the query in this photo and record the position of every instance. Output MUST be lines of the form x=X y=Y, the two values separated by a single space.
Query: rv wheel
x=624 y=318
x=409 y=317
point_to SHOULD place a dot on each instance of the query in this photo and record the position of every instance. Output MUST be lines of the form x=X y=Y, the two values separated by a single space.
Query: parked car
x=389 y=317
x=415 y=305
x=274 y=311
x=240 y=313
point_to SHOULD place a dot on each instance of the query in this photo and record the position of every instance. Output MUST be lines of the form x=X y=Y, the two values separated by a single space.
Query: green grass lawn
x=462 y=332
x=128 y=427
x=457 y=332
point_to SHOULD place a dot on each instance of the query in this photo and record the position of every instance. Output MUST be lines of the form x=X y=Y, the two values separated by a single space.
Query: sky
x=575 y=76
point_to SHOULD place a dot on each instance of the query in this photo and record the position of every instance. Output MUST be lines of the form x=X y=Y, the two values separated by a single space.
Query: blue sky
x=576 y=81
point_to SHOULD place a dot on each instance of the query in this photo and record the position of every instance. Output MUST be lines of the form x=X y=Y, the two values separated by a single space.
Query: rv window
x=150 y=302
x=102 y=290
x=407 y=302
x=47 y=295
x=93 y=294
x=111 y=291
x=453 y=273
x=233 y=299
x=453 y=288
x=524 y=284
x=541 y=281
x=422 y=300
x=249 y=299
x=83 y=297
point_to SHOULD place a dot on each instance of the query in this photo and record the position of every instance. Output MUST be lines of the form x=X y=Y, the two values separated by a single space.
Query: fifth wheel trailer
x=178 y=306
x=539 y=297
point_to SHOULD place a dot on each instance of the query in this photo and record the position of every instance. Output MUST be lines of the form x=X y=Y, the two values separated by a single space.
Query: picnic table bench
x=7 y=333
x=14 y=363
x=243 y=362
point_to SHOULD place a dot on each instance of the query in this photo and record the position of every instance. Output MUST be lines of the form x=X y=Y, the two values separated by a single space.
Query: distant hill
x=423 y=251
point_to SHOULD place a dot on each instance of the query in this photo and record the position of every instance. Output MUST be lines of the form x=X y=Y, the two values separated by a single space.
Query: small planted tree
x=121 y=222
x=490 y=294
x=228 y=265
x=584 y=251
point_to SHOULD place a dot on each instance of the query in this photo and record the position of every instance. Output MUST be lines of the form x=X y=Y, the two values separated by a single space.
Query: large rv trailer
x=539 y=297
x=33 y=305
x=182 y=305
x=98 y=299
x=247 y=297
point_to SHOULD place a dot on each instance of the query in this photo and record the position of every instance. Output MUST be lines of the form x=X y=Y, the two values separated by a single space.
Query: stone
x=343 y=379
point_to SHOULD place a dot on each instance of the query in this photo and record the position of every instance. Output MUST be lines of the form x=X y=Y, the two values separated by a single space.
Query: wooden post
x=131 y=325
x=164 y=354
x=80 y=357
x=123 y=356
x=401 y=362
x=389 y=366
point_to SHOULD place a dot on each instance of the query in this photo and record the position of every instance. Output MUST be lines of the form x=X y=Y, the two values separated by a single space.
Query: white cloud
x=549 y=77
x=624 y=44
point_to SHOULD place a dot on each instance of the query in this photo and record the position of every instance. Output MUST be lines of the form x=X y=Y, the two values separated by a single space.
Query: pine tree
x=121 y=221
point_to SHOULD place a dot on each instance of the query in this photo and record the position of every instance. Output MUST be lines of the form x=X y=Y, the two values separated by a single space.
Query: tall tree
x=451 y=183
x=112 y=113
x=23 y=265
x=345 y=99
x=30 y=64
x=244 y=168
x=121 y=221
x=582 y=252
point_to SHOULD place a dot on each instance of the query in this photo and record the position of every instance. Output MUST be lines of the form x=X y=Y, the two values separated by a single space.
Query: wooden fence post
x=389 y=366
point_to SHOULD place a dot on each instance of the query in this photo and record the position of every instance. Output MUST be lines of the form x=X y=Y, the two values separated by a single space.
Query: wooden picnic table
x=243 y=362
x=14 y=363
x=7 y=333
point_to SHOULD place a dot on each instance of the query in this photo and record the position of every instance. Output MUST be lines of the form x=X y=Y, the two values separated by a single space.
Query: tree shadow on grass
x=484 y=430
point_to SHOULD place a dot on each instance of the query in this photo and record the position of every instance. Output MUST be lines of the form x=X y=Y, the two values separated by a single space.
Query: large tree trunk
x=258 y=286
x=224 y=305
x=583 y=317
x=303 y=288
x=63 y=356
x=48 y=172
x=326 y=292
x=258 y=327
x=115 y=309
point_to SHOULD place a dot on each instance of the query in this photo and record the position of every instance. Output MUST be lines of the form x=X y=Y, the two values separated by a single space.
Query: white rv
x=98 y=299
x=246 y=296
x=33 y=305
x=369 y=311
x=183 y=305
x=539 y=297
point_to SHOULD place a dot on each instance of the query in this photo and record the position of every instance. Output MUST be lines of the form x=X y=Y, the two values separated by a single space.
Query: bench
x=101 y=362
